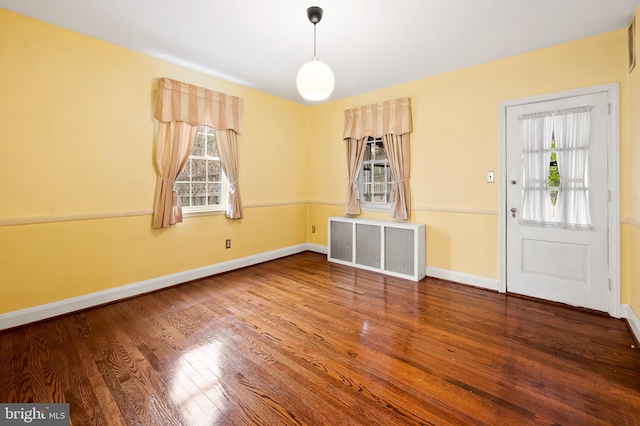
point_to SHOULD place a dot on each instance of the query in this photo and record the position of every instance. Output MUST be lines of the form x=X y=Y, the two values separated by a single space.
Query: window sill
x=196 y=213
x=375 y=207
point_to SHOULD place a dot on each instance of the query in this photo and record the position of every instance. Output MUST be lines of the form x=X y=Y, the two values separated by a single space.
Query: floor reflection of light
x=365 y=327
x=196 y=388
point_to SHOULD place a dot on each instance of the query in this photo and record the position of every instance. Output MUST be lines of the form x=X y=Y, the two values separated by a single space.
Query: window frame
x=224 y=182
x=372 y=205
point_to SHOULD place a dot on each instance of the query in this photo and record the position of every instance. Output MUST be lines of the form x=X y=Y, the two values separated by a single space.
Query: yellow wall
x=456 y=140
x=77 y=137
x=631 y=229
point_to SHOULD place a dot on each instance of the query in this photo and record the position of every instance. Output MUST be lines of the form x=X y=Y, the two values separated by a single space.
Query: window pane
x=198 y=145
x=213 y=169
x=379 y=151
x=199 y=189
x=366 y=174
x=212 y=149
x=213 y=189
x=378 y=173
x=182 y=188
x=554 y=175
x=184 y=202
x=198 y=170
x=367 y=193
x=367 y=152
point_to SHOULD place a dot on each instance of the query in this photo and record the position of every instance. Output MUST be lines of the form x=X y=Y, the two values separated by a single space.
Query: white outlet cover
x=490 y=177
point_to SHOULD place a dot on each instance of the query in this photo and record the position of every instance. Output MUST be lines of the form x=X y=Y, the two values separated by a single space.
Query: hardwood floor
x=300 y=341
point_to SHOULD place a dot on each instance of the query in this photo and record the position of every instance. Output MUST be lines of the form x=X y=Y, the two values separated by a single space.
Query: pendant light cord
x=315 y=55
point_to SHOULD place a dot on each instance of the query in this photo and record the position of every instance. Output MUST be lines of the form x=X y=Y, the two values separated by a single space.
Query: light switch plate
x=490 y=177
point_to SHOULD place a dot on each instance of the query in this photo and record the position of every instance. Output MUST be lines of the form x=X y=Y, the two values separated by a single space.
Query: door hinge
x=609 y=279
x=609 y=195
x=609 y=108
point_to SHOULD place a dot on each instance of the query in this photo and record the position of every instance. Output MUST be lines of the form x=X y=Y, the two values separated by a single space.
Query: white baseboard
x=61 y=307
x=626 y=311
x=632 y=319
x=461 y=277
x=317 y=248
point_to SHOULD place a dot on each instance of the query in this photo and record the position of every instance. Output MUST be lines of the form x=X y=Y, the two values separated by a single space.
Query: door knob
x=513 y=212
x=513 y=182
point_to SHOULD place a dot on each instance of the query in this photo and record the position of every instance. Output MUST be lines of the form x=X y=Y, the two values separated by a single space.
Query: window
x=201 y=185
x=374 y=177
x=554 y=176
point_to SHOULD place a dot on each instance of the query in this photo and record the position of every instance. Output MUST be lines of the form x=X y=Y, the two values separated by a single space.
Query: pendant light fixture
x=315 y=79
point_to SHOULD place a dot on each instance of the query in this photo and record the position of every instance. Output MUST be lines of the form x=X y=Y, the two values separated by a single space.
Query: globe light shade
x=315 y=80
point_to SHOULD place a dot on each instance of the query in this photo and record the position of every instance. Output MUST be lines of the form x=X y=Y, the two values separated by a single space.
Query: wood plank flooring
x=300 y=341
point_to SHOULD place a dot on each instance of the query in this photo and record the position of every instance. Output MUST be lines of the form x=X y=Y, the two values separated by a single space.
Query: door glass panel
x=554 y=177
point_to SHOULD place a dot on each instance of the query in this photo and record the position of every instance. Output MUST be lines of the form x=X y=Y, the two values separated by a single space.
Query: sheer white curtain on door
x=536 y=131
x=572 y=134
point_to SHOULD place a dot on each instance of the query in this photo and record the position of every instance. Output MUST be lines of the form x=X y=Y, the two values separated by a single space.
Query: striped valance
x=384 y=118
x=178 y=101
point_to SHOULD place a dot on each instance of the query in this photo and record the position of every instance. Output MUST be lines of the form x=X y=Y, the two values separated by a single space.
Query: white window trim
x=369 y=206
x=190 y=211
x=194 y=211
x=375 y=207
x=197 y=213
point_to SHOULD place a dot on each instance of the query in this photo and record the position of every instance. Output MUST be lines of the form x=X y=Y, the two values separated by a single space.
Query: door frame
x=613 y=96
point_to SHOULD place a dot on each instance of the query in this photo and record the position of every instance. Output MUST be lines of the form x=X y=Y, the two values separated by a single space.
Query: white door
x=547 y=259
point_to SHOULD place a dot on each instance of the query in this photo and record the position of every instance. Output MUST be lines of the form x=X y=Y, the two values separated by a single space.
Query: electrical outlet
x=228 y=244
x=490 y=177
x=313 y=229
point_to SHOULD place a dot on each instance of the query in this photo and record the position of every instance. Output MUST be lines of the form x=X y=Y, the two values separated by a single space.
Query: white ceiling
x=369 y=44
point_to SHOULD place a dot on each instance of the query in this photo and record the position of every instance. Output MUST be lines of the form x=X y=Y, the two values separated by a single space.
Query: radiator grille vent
x=398 y=250
x=368 y=245
x=341 y=241
x=393 y=248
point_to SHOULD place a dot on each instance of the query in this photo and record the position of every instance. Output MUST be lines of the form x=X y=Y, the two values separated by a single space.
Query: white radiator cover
x=393 y=248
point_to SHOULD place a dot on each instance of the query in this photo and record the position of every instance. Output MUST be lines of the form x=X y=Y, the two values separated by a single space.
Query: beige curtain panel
x=227 y=141
x=390 y=120
x=175 y=140
x=398 y=153
x=180 y=109
x=355 y=151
